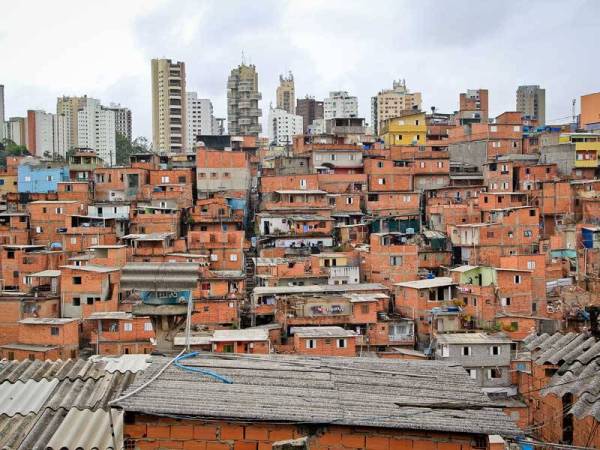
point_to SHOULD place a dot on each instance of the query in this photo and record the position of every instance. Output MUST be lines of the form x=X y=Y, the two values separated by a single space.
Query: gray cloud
x=440 y=48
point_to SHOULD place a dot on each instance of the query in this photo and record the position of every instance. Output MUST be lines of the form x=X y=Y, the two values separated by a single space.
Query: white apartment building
x=96 y=130
x=47 y=133
x=283 y=126
x=340 y=105
x=200 y=118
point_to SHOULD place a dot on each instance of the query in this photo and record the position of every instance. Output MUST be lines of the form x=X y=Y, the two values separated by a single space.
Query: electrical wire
x=210 y=373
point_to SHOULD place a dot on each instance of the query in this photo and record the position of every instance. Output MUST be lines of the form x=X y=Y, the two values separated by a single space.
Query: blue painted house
x=34 y=175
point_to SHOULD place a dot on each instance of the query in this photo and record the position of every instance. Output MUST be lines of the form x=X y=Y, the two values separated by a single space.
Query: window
x=181 y=179
x=422 y=164
x=518 y=279
x=406 y=198
x=395 y=260
x=472 y=373
x=440 y=164
x=49 y=178
x=531 y=265
x=76 y=301
x=164 y=179
x=90 y=300
x=127 y=326
x=364 y=309
x=147 y=326
x=54 y=331
x=31 y=357
x=76 y=280
x=494 y=374
x=349 y=200
x=10 y=254
x=445 y=351
x=466 y=351
x=311 y=343
x=233 y=257
x=381 y=181
x=527 y=233
x=495 y=350
x=342 y=343
x=493 y=128
x=73 y=240
x=532 y=212
x=505 y=301
x=205 y=286
x=11 y=356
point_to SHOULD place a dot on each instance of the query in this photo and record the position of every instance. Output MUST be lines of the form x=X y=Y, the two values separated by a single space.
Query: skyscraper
x=340 y=105
x=69 y=107
x=286 y=96
x=390 y=103
x=200 y=119
x=2 y=118
x=531 y=101
x=96 y=130
x=169 y=114
x=46 y=134
x=283 y=126
x=310 y=109
x=122 y=120
x=242 y=101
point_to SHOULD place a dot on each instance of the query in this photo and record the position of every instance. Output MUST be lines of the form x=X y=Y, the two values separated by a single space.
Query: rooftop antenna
x=573 y=109
x=243 y=58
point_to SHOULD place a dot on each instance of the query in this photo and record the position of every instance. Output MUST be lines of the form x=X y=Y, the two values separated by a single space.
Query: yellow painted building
x=586 y=154
x=8 y=183
x=408 y=129
x=587 y=148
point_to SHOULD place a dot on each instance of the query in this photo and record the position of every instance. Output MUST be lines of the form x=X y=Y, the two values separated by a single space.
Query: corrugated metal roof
x=246 y=334
x=322 y=332
x=90 y=393
x=160 y=276
x=45 y=273
x=71 y=369
x=427 y=283
x=472 y=338
x=68 y=411
x=319 y=288
x=124 y=363
x=46 y=321
x=24 y=398
x=89 y=430
x=578 y=358
x=343 y=391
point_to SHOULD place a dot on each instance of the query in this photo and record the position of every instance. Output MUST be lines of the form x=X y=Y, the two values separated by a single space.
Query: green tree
x=125 y=148
x=10 y=148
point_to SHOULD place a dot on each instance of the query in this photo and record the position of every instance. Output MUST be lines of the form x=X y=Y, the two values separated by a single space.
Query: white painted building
x=96 y=130
x=340 y=105
x=200 y=118
x=283 y=126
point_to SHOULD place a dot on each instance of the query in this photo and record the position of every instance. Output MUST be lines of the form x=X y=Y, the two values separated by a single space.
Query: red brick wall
x=153 y=433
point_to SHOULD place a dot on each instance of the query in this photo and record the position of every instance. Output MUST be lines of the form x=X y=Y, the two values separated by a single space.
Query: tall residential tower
x=242 y=101
x=169 y=114
x=310 y=109
x=200 y=119
x=390 y=103
x=531 y=101
x=286 y=95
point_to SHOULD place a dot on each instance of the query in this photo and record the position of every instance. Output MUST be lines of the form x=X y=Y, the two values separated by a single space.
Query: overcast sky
x=103 y=49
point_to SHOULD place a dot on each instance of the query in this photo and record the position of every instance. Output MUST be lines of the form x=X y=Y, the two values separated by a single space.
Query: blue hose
x=210 y=373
